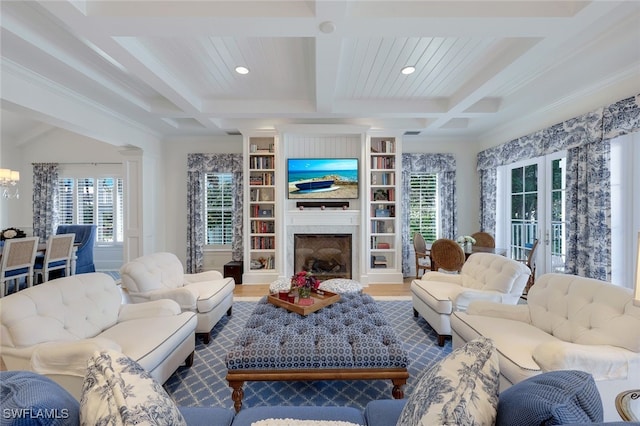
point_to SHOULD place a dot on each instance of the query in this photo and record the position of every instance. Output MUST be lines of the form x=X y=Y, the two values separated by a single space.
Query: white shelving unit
x=384 y=242
x=261 y=225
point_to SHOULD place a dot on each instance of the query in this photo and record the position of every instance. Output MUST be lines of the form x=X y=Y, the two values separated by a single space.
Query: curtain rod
x=79 y=163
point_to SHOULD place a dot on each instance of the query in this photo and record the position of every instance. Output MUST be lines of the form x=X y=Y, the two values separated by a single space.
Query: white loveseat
x=484 y=276
x=55 y=327
x=568 y=323
x=161 y=276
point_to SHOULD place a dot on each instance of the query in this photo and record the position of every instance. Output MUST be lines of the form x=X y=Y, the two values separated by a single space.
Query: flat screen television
x=322 y=178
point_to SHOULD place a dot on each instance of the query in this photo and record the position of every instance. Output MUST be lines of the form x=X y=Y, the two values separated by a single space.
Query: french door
x=535 y=207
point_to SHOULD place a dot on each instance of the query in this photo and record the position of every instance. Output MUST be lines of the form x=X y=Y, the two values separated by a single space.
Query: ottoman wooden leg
x=397 y=391
x=237 y=394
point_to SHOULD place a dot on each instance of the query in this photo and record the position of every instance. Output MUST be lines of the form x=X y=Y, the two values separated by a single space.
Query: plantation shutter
x=219 y=208
x=423 y=202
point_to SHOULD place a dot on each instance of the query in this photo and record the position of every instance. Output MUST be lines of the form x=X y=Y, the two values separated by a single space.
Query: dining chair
x=447 y=255
x=18 y=256
x=484 y=239
x=86 y=239
x=422 y=257
x=530 y=261
x=57 y=257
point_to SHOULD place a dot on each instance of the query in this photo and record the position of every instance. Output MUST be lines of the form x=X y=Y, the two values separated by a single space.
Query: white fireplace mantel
x=318 y=221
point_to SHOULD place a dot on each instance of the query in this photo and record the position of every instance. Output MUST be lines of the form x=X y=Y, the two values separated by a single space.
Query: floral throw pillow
x=118 y=391
x=462 y=389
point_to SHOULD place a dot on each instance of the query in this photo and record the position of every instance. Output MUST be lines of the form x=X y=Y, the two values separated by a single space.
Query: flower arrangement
x=304 y=281
x=465 y=239
x=9 y=233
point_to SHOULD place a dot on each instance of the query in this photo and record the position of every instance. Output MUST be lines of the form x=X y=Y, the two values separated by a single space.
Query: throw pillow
x=552 y=398
x=341 y=286
x=462 y=389
x=29 y=398
x=118 y=391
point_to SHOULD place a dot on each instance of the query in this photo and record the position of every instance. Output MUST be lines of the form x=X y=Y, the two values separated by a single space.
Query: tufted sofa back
x=152 y=272
x=65 y=309
x=585 y=311
x=488 y=271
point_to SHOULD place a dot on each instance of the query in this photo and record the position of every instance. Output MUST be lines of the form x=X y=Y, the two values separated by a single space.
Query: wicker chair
x=422 y=257
x=447 y=255
x=484 y=239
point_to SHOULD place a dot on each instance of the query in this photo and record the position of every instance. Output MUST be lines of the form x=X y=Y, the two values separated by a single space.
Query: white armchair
x=161 y=276
x=484 y=276
x=568 y=323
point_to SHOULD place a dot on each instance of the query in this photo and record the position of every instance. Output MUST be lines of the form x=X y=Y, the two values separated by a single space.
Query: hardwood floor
x=258 y=290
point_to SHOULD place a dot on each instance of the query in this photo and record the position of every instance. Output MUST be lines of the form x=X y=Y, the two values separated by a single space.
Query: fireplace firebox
x=324 y=255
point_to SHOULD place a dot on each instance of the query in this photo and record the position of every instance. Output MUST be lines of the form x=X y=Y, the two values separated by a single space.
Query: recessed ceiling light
x=242 y=70
x=408 y=70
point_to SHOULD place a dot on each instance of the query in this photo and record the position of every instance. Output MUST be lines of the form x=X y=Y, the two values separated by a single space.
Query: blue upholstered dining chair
x=86 y=238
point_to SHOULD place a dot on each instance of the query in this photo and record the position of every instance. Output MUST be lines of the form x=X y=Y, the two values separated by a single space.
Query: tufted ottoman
x=348 y=340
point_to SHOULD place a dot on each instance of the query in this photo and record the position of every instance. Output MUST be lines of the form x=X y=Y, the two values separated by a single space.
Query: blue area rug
x=204 y=383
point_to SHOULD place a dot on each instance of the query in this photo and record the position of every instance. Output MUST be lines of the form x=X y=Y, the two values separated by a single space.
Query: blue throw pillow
x=29 y=398
x=553 y=398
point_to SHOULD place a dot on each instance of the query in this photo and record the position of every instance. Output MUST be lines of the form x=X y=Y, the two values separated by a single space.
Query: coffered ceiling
x=166 y=68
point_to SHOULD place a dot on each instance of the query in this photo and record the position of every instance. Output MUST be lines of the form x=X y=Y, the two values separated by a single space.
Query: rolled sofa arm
x=156 y=308
x=203 y=276
x=68 y=357
x=185 y=297
x=499 y=310
x=462 y=300
x=442 y=276
x=604 y=362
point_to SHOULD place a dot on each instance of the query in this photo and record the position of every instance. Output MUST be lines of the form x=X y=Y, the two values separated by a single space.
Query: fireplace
x=325 y=255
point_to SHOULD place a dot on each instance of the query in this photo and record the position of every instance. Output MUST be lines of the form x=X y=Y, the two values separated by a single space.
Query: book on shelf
x=378 y=261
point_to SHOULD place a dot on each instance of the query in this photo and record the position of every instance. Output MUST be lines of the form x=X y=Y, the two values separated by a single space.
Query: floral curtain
x=587 y=161
x=197 y=166
x=45 y=196
x=445 y=167
x=589 y=211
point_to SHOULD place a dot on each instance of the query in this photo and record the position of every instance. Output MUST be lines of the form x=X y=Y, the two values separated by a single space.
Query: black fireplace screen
x=325 y=255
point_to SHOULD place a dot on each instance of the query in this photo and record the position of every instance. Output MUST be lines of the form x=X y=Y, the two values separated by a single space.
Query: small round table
x=628 y=405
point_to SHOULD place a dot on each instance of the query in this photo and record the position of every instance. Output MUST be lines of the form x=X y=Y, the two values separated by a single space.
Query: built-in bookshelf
x=382 y=204
x=261 y=187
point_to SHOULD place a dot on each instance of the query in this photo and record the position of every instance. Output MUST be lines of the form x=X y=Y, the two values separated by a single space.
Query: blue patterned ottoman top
x=351 y=333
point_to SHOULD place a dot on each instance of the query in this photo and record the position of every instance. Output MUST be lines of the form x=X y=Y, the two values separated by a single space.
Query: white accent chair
x=568 y=323
x=484 y=276
x=55 y=327
x=161 y=276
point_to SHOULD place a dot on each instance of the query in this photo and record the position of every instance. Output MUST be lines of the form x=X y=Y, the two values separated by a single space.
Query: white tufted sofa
x=55 y=327
x=484 y=276
x=161 y=276
x=568 y=323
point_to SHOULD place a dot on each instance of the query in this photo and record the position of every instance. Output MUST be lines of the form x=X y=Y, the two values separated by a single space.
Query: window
x=219 y=209
x=423 y=205
x=93 y=200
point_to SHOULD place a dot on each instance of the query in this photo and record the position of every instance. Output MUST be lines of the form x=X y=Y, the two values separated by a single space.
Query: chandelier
x=8 y=180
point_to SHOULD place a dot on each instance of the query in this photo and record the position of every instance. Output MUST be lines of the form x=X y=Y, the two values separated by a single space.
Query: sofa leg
x=229 y=311
x=206 y=337
x=189 y=361
x=415 y=313
x=441 y=340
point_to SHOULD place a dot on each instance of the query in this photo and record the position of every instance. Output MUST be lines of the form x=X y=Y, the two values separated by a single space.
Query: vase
x=468 y=247
x=304 y=292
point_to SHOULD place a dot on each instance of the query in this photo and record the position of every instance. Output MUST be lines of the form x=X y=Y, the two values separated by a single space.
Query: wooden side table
x=234 y=270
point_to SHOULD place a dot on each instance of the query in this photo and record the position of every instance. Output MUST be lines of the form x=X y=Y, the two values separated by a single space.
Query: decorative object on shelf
x=9 y=233
x=466 y=241
x=304 y=281
x=8 y=179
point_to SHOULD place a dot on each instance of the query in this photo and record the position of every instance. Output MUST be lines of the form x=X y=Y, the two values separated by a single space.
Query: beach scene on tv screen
x=322 y=178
